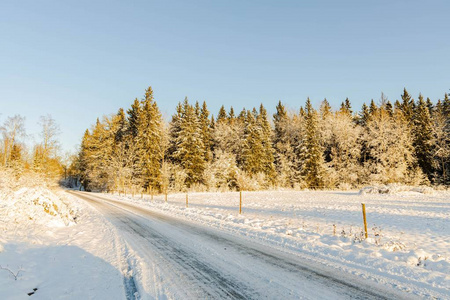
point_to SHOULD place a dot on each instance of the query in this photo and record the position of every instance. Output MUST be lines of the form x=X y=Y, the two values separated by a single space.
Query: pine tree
x=206 y=132
x=253 y=148
x=83 y=157
x=149 y=141
x=283 y=147
x=133 y=116
x=325 y=109
x=441 y=144
x=446 y=106
x=189 y=146
x=313 y=170
x=231 y=115
x=407 y=106
x=242 y=115
x=97 y=152
x=430 y=106
x=122 y=126
x=364 y=115
x=373 y=107
x=389 y=108
x=325 y=127
x=229 y=136
x=346 y=107
x=280 y=119
x=267 y=160
x=222 y=116
x=174 y=132
x=423 y=137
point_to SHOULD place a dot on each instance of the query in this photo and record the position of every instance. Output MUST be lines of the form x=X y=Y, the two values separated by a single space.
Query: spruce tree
x=423 y=137
x=267 y=159
x=373 y=107
x=282 y=145
x=430 y=106
x=122 y=126
x=280 y=118
x=206 y=132
x=389 y=108
x=189 y=145
x=364 y=115
x=174 y=132
x=133 y=116
x=83 y=160
x=407 y=106
x=346 y=107
x=222 y=116
x=325 y=109
x=446 y=106
x=313 y=170
x=253 y=148
x=98 y=150
x=231 y=115
x=149 y=141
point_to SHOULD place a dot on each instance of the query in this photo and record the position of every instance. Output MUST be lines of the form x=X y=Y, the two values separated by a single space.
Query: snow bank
x=36 y=206
x=58 y=246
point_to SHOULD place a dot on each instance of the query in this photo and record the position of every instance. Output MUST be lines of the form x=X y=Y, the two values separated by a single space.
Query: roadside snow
x=409 y=237
x=57 y=246
x=62 y=247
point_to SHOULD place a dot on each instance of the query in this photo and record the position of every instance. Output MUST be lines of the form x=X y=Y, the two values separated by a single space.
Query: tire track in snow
x=290 y=272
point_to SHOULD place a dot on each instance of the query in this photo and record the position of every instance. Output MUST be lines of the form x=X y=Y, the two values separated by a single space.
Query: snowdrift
x=36 y=205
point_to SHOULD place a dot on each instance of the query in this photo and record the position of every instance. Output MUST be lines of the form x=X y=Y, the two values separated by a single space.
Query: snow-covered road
x=179 y=259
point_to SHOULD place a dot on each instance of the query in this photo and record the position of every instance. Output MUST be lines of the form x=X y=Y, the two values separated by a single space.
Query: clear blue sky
x=78 y=60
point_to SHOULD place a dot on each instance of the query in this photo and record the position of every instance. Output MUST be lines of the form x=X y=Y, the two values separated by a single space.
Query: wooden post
x=365 y=220
x=151 y=193
x=240 y=202
x=187 y=200
x=165 y=196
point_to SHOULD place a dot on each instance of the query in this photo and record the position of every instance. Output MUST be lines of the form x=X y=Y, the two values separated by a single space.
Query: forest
x=405 y=142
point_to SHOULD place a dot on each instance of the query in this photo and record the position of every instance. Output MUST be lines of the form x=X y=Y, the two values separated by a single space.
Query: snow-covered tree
x=45 y=157
x=313 y=163
x=257 y=151
x=149 y=143
x=12 y=130
x=206 y=132
x=189 y=147
x=390 y=152
x=423 y=137
x=345 y=150
x=441 y=144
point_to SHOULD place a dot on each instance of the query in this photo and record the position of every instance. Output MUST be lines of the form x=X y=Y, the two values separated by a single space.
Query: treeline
x=407 y=142
x=43 y=158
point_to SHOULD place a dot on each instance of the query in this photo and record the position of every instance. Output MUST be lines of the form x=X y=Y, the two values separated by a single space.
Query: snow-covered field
x=409 y=230
x=62 y=247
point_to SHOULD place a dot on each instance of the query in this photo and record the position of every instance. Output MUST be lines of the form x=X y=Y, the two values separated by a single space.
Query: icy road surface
x=180 y=260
